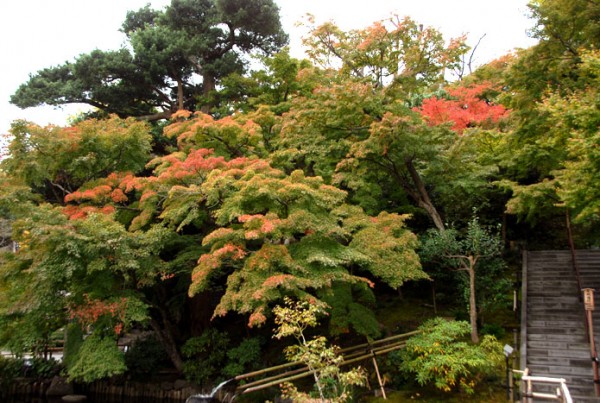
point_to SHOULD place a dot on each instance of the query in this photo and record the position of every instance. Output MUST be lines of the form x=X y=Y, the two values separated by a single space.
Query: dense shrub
x=99 y=357
x=442 y=356
x=242 y=358
x=10 y=368
x=145 y=357
x=211 y=359
x=39 y=367
x=493 y=329
x=205 y=356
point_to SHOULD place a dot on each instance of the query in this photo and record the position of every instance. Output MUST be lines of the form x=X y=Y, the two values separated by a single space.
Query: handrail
x=562 y=392
x=573 y=252
x=589 y=331
x=392 y=340
x=358 y=353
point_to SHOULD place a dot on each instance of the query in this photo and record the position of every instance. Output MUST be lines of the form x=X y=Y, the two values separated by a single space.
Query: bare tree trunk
x=472 y=305
x=179 y=94
x=423 y=196
x=208 y=85
x=167 y=340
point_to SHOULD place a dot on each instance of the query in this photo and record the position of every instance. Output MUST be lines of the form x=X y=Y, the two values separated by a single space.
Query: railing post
x=381 y=387
x=588 y=299
x=511 y=387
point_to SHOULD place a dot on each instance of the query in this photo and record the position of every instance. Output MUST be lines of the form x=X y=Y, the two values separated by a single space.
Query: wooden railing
x=561 y=394
x=297 y=370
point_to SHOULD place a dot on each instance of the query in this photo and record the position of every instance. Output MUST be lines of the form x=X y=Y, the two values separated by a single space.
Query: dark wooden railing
x=588 y=304
x=297 y=370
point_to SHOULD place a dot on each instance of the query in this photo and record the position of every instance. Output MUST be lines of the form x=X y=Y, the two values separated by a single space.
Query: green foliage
x=477 y=253
x=73 y=341
x=55 y=161
x=210 y=357
x=99 y=357
x=291 y=235
x=275 y=86
x=42 y=368
x=205 y=37
x=293 y=320
x=10 y=368
x=493 y=329
x=145 y=357
x=243 y=358
x=575 y=120
x=205 y=356
x=73 y=269
x=397 y=52
x=453 y=246
x=552 y=93
x=351 y=308
x=439 y=355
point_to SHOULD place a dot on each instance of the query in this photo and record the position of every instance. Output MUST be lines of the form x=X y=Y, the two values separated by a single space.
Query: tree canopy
x=310 y=180
x=174 y=57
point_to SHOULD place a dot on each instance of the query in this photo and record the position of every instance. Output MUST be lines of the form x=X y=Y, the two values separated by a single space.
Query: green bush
x=10 y=368
x=209 y=359
x=98 y=357
x=442 y=356
x=42 y=368
x=242 y=358
x=493 y=330
x=73 y=342
x=145 y=357
x=205 y=356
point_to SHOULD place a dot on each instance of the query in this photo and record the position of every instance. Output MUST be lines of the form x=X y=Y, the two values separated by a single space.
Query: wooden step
x=557 y=344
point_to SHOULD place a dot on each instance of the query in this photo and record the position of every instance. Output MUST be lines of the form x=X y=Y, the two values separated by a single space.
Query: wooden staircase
x=554 y=341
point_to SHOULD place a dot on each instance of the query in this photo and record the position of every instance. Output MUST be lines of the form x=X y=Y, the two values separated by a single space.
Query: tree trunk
x=167 y=340
x=179 y=94
x=156 y=116
x=208 y=85
x=423 y=196
x=472 y=305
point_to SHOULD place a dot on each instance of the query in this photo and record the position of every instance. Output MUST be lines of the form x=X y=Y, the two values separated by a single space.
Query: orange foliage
x=257 y=318
x=230 y=251
x=89 y=312
x=275 y=281
x=81 y=212
x=466 y=109
x=118 y=196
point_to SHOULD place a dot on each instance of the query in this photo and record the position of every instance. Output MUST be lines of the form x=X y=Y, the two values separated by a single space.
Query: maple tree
x=55 y=161
x=301 y=184
x=198 y=218
x=465 y=107
x=396 y=53
x=356 y=130
x=66 y=252
x=573 y=117
x=266 y=219
x=545 y=85
x=292 y=235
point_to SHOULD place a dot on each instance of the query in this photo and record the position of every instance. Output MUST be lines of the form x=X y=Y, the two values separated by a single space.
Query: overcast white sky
x=41 y=33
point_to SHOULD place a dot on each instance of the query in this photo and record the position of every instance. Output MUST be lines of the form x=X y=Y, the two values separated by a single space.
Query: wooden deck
x=553 y=337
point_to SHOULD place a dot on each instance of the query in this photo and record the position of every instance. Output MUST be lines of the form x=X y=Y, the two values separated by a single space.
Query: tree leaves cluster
x=174 y=56
x=307 y=180
x=439 y=355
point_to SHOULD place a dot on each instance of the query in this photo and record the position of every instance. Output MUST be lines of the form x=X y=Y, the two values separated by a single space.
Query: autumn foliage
x=465 y=107
x=316 y=197
x=92 y=310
